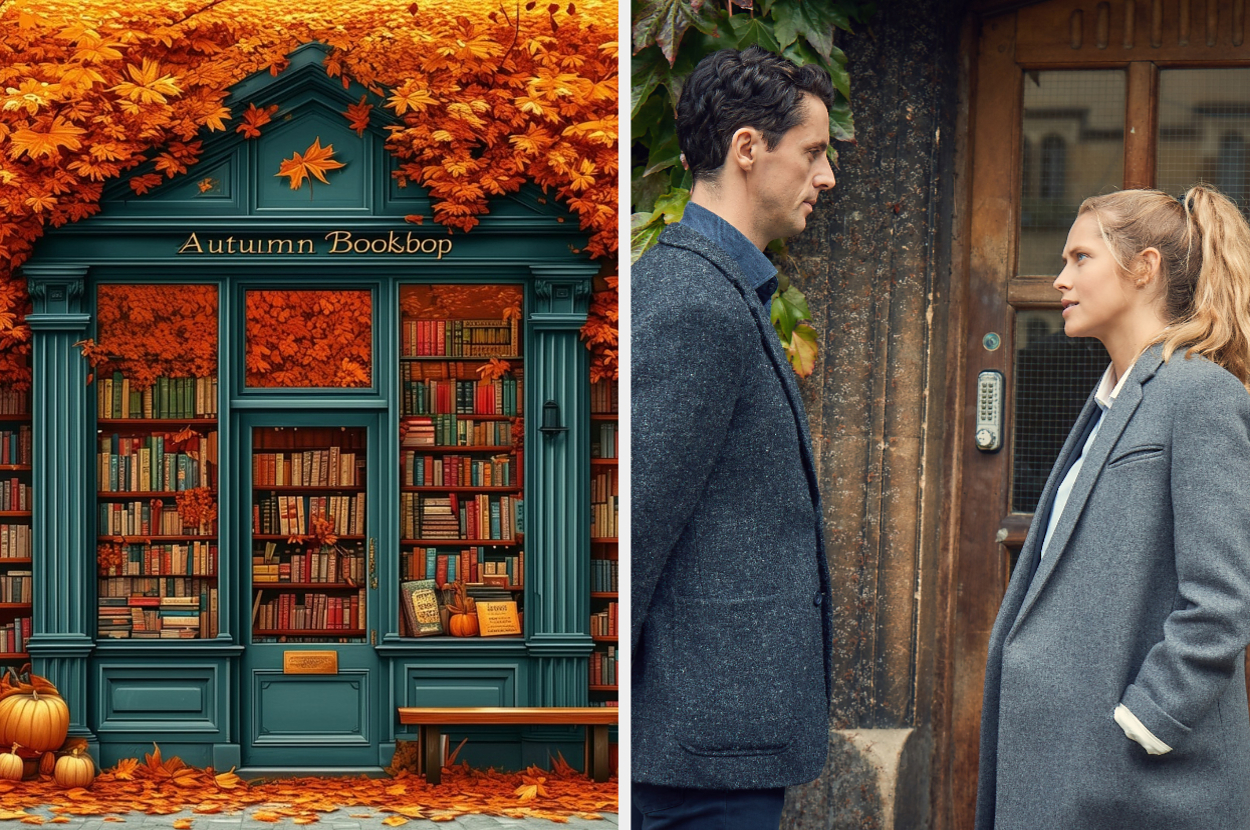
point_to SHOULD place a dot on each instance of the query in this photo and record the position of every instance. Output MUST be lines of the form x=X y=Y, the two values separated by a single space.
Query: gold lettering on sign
x=341 y=242
x=310 y=662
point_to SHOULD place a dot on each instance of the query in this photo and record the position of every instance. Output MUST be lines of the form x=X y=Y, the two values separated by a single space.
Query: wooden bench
x=596 y=719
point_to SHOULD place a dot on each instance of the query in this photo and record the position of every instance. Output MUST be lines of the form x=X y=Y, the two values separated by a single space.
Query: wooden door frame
x=1002 y=40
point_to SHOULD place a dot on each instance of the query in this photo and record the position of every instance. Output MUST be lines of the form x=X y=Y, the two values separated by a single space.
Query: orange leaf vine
x=92 y=91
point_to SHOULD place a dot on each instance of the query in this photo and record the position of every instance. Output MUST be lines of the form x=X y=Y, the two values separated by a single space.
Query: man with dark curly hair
x=731 y=626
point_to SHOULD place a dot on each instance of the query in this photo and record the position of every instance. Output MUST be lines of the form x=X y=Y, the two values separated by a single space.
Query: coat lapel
x=682 y=237
x=1114 y=420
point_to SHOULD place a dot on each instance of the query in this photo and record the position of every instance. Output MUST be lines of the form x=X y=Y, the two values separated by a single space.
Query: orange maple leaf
x=60 y=133
x=358 y=115
x=254 y=119
x=125 y=769
x=315 y=161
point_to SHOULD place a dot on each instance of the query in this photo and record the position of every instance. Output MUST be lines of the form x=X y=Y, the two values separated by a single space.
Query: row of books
x=284 y=515
x=452 y=431
x=465 y=397
x=186 y=559
x=605 y=398
x=14 y=402
x=603 y=575
x=603 y=623
x=604 y=519
x=149 y=517
x=328 y=566
x=141 y=464
x=15 y=586
x=131 y=587
x=451 y=517
x=604 y=483
x=15 y=541
x=603 y=442
x=459 y=338
x=164 y=618
x=467 y=565
x=15 y=446
x=15 y=494
x=331 y=467
x=613 y=704
x=425 y=470
x=14 y=634
x=603 y=667
x=308 y=611
x=167 y=397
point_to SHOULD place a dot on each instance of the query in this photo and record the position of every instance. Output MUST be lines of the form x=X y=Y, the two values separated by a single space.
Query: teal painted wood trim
x=558 y=488
x=188 y=700
x=63 y=558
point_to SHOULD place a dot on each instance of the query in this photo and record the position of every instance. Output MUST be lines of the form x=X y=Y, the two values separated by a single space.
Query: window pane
x=1204 y=127
x=1073 y=148
x=309 y=339
x=1054 y=375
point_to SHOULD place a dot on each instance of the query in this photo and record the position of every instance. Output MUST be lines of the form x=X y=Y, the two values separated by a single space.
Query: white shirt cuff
x=1135 y=730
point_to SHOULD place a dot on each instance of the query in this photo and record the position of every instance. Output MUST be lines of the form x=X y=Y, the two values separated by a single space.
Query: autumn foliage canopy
x=489 y=96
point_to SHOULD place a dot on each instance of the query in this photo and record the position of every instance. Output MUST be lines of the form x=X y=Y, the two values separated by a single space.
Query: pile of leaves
x=162 y=786
x=489 y=97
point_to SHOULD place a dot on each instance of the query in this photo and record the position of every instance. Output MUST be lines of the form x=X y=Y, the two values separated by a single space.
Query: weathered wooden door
x=1071 y=98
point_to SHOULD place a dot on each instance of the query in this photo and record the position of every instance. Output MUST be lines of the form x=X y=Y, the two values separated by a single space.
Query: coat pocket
x=750 y=664
x=1132 y=455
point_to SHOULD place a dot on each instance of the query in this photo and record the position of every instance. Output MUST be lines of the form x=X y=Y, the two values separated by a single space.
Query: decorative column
x=557 y=486
x=64 y=558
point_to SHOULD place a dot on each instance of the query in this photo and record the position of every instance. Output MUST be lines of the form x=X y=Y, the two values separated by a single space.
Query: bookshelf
x=461 y=460
x=15 y=525
x=309 y=528
x=604 y=536
x=156 y=494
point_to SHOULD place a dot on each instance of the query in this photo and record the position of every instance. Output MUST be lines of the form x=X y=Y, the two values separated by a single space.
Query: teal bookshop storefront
x=281 y=440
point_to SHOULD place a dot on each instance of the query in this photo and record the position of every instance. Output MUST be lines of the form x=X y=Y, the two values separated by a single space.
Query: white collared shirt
x=1104 y=397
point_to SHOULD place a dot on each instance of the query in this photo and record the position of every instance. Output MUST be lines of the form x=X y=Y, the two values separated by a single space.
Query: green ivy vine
x=669 y=38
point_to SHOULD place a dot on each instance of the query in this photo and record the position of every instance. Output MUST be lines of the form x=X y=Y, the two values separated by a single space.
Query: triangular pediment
x=239 y=177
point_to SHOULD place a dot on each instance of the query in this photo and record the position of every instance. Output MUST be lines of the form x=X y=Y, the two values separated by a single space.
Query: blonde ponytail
x=1204 y=247
x=1217 y=325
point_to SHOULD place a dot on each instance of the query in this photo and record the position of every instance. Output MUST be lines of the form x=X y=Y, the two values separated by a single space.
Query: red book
x=440 y=571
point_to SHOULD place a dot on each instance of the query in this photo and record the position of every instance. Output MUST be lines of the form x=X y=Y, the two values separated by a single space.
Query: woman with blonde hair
x=1115 y=691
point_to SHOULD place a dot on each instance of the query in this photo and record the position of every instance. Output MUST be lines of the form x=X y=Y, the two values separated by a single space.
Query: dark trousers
x=679 y=808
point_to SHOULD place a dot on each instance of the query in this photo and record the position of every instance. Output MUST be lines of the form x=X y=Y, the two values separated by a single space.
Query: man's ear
x=743 y=147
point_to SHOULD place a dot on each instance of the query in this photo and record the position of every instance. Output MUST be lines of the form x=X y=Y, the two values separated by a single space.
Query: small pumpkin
x=463 y=620
x=47 y=762
x=74 y=770
x=12 y=767
x=32 y=713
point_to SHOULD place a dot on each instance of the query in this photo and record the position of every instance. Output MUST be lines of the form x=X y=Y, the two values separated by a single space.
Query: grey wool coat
x=1142 y=598
x=729 y=587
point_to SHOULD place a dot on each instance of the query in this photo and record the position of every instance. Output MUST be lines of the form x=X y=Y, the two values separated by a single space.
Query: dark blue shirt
x=759 y=271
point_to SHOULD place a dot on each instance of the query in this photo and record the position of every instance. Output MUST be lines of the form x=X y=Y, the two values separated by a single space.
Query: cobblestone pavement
x=339 y=820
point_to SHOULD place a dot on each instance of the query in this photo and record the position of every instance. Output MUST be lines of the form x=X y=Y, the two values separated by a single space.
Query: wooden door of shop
x=1071 y=98
x=311 y=686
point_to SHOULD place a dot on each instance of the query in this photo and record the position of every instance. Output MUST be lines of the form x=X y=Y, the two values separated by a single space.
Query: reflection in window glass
x=1054 y=374
x=1073 y=148
x=1204 y=124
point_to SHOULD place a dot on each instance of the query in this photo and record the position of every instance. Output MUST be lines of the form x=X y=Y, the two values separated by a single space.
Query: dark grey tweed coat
x=1143 y=598
x=730 y=592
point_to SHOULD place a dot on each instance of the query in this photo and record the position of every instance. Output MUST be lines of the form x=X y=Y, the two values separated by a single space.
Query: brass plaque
x=310 y=662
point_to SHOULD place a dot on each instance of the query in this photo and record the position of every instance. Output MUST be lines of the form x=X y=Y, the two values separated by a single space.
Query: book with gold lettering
x=419 y=600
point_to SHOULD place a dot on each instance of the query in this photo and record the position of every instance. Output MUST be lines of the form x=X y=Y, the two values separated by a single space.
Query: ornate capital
x=563 y=289
x=55 y=289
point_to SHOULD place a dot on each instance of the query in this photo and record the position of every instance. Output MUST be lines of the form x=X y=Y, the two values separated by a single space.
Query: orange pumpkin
x=464 y=625
x=33 y=714
x=11 y=765
x=47 y=762
x=74 y=770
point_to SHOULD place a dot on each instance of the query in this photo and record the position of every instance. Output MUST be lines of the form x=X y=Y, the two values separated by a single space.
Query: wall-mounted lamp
x=551 y=419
